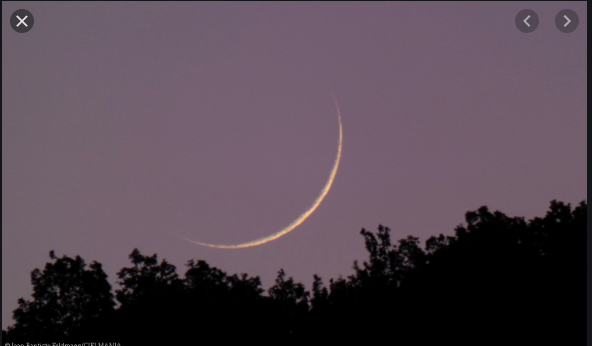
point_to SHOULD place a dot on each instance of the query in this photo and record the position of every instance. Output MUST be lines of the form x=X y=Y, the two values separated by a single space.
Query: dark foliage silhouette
x=66 y=296
x=497 y=278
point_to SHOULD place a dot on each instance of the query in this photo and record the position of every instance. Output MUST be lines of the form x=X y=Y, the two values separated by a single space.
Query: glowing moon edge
x=303 y=216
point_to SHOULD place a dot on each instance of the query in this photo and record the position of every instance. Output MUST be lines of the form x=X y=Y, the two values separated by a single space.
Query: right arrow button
x=566 y=21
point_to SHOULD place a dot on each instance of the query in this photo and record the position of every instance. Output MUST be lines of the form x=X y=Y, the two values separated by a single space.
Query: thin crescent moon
x=302 y=217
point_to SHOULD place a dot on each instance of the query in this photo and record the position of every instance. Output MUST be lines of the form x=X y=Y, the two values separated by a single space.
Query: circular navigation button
x=567 y=21
x=527 y=21
x=22 y=21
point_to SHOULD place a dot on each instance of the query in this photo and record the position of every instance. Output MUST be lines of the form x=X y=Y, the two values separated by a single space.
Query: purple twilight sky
x=126 y=125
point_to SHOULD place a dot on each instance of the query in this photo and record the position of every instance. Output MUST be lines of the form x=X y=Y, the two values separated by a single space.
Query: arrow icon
x=527 y=20
x=568 y=20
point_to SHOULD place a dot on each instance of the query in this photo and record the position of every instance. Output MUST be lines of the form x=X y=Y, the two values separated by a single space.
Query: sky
x=132 y=125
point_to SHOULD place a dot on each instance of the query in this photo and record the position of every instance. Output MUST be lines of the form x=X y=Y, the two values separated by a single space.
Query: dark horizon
x=497 y=275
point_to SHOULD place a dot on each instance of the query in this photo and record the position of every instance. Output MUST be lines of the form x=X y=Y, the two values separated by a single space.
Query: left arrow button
x=527 y=21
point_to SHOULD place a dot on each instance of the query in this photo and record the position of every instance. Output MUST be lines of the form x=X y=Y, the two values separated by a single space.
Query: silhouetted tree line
x=498 y=278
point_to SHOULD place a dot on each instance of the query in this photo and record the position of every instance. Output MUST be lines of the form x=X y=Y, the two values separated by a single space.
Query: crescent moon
x=304 y=215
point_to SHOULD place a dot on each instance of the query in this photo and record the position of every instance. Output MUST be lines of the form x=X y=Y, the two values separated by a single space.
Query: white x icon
x=21 y=21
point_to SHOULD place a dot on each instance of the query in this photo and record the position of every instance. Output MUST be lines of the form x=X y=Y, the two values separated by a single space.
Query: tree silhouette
x=66 y=296
x=290 y=304
x=498 y=278
x=504 y=276
x=146 y=279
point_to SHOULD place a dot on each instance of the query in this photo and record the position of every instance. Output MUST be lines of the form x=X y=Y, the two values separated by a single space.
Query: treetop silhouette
x=497 y=275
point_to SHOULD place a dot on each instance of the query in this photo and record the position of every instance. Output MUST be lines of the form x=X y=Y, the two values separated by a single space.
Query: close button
x=21 y=21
